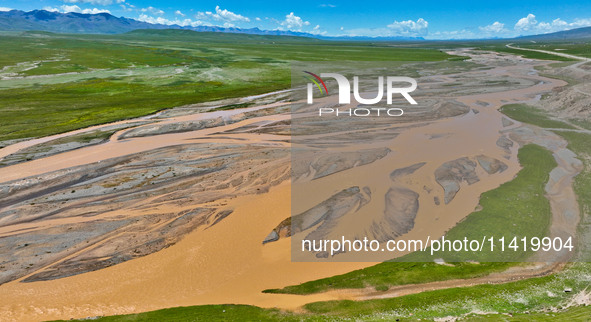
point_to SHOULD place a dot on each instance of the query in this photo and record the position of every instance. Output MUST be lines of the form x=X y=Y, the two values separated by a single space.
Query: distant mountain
x=366 y=38
x=573 y=34
x=42 y=20
x=105 y=23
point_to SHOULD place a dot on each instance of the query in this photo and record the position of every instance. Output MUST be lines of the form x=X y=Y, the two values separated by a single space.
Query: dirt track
x=585 y=59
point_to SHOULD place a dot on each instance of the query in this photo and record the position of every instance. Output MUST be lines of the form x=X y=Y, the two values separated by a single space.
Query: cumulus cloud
x=179 y=13
x=95 y=2
x=152 y=10
x=579 y=23
x=494 y=28
x=293 y=22
x=410 y=28
x=75 y=8
x=164 y=21
x=5 y=9
x=526 y=23
x=223 y=15
x=95 y=11
x=316 y=31
x=530 y=25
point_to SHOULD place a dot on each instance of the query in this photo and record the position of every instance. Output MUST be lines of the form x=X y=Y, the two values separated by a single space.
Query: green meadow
x=577 y=48
x=54 y=83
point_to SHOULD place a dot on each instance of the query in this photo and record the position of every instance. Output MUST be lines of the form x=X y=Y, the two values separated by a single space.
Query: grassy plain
x=74 y=81
x=524 y=53
x=528 y=114
x=577 y=48
x=525 y=300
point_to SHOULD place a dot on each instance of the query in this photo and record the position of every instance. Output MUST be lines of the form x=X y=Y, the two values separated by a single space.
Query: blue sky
x=428 y=19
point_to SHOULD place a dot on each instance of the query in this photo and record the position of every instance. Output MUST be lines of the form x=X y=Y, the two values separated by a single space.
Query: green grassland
x=244 y=312
x=81 y=80
x=577 y=48
x=385 y=275
x=525 y=53
x=532 y=115
x=520 y=202
x=524 y=300
x=580 y=143
x=226 y=312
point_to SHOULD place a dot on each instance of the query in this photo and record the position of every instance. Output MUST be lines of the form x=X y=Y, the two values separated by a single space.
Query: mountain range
x=579 y=33
x=105 y=23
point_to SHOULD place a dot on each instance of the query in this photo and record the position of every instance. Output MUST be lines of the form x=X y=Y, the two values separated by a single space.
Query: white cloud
x=221 y=15
x=327 y=5
x=316 y=31
x=257 y=19
x=530 y=25
x=94 y=2
x=494 y=28
x=152 y=10
x=95 y=11
x=75 y=8
x=164 y=21
x=293 y=22
x=229 y=16
x=179 y=13
x=50 y=9
x=410 y=28
x=126 y=8
x=5 y=9
x=581 y=23
x=526 y=23
x=454 y=34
